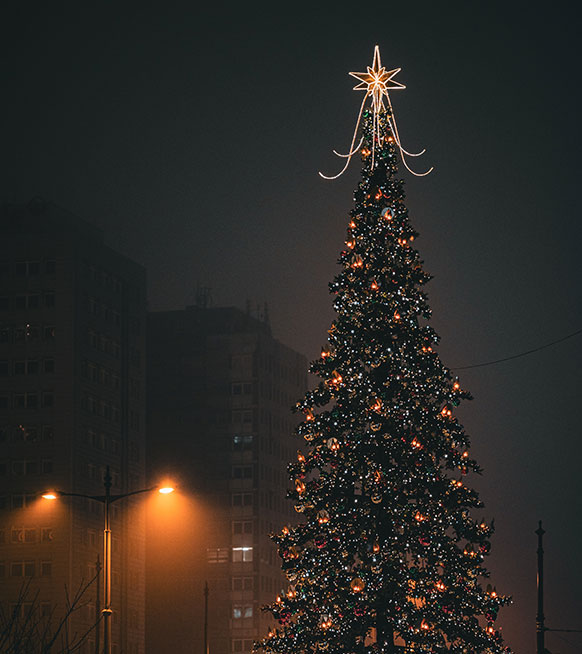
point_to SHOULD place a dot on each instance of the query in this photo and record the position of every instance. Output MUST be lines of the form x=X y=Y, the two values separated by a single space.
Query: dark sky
x=194 y=137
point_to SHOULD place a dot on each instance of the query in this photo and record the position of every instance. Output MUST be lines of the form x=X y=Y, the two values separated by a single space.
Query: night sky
x=194 y=138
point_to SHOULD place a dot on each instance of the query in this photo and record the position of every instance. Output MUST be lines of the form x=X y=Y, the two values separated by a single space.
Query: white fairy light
x=376 y=82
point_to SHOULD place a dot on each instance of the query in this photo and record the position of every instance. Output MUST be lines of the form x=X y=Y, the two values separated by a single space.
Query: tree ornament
x=325 y=351
x=357 y=585
x=356 y=262
x=333 y=444
x=320 y=541
x=325 y=621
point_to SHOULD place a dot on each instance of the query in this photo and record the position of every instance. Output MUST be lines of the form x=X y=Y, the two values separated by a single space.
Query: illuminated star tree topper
x=376 y=82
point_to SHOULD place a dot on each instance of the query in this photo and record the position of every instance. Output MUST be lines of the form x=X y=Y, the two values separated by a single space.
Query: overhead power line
x=521 y=354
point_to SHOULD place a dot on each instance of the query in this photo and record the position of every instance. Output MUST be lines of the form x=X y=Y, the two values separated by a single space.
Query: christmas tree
x=387 y=555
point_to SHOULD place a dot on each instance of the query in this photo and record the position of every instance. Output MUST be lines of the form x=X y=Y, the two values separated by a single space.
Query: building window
x=23 y=535
x=241 y=611
x=4 y=368
x=242 y=442
x=46 y=568
x=23 y=500
x=26 y=434
x=217 y=555
x=46 y=534
x=22 y=467
x=48 y=366
x=242 y=527
x=48 y=399
x=242 y=472
x=243 y=583
x=25 y=268
x=22 y=569
x=25 y=400
x=242 y=554
x=50 y=267
x=240 y=645
x=242 y=499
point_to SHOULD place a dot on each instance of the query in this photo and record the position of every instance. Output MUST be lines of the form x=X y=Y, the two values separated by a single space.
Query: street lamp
x=107 y=500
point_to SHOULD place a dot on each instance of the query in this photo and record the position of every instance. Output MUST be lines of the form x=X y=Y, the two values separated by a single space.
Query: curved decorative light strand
x=352 y=151
x=403 y=152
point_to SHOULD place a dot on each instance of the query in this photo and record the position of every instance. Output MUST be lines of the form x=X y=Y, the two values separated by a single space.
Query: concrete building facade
x=72 y=403
x=220 y=393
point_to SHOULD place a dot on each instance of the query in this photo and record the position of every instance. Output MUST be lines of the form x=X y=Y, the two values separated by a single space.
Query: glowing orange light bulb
x=357 y=585
x=166 y=490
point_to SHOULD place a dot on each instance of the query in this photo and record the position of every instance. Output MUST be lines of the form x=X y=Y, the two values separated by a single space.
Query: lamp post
x=107 y=499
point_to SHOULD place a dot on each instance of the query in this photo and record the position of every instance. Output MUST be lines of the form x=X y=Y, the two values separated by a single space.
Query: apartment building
x=72 y=404
x=220 y=392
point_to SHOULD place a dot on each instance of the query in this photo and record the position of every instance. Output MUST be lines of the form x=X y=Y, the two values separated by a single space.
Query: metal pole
x=107 y=561
x=540 y=629
x=98 y=606
x=206 y=591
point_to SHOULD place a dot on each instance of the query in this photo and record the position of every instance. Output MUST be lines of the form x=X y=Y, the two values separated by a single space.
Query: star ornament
x=377 y=81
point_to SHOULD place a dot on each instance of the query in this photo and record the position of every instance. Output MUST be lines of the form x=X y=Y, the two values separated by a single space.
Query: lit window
x=217 y=555
x=242 y=611
x=242 y=554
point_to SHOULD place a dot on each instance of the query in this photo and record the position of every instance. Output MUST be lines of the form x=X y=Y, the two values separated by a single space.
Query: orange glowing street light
x=106 y=500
